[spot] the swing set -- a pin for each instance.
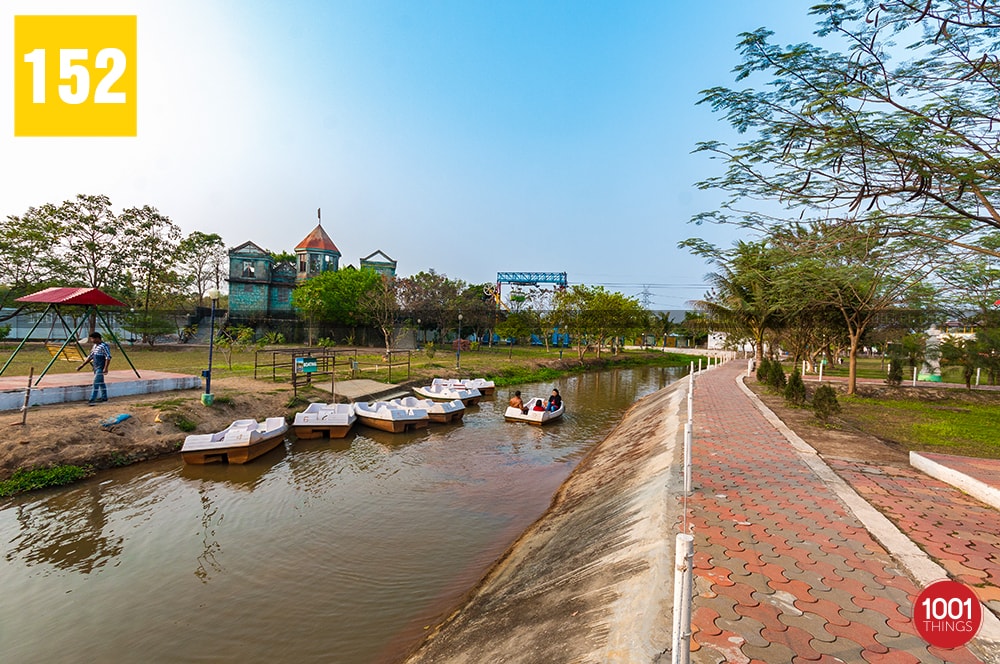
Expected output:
(91, 299)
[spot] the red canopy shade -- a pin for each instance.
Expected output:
(81, 296)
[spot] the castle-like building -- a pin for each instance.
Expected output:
(261, 287)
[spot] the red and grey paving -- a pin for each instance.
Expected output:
(786, 572)
(75, 386)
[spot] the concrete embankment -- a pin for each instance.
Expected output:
(590, 581)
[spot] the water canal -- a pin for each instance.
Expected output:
(321, 551)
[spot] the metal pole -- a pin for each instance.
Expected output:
(683, 556)
(207, 399)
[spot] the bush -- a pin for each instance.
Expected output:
(795, 390)
(776, 377)
(895, 377)
(430, 349)
(39, 478)
(763, 369)
(825, 402)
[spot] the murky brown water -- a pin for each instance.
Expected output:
(322, 551)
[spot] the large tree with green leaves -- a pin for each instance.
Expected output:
(892, 112)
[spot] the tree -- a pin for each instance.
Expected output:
(382, 306)
(93, 241)
(335, 297)
(744, 301)
(855, 270)
(596, 315)
(203, 257)
(431, 297)
(27, 252)
(861, 132)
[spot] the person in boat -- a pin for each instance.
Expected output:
(539, 406)
(555, 401)
(517, 402)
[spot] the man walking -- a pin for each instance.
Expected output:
(100, 358)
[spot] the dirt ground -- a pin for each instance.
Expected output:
(72, 433)
(836, 441)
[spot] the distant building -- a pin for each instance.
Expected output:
(260, 287)
(380, 262)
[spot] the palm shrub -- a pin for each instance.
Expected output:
(895, 377)
(825, 402)
(763, 369)
(776, 377)
(795, 390)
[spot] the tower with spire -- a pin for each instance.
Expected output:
(316, 254)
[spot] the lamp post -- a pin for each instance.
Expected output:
(458, 353)
(207, 398)
(418, 333)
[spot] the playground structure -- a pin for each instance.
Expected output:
(91, 299)
(557, 279)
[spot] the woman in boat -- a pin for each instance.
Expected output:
(555, 401)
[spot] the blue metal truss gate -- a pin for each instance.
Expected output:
(532, 278)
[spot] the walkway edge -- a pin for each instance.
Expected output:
(919, 564)
(970, 485)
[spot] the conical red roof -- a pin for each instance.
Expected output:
(318, 239)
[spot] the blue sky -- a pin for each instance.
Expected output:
(470, 137)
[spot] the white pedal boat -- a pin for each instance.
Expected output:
(331, 419)
(385, 416)
(438, 411)
(240, 442)
(486, 387)
(444, 393)
(514, 414)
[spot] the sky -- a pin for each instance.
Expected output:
(468, 136)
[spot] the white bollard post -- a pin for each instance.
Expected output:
(820, 379)
(978, 370)
(803, 367)
(699, 365)
(749, 367)
(683, 558)
(914, 376)
(688, 434)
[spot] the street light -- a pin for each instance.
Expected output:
(207, 398)
(458, 353)
(418, 333)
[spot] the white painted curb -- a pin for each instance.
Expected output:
(970, 485)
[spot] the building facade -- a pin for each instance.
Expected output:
(261, 288)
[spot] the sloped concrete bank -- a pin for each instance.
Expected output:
(590, 581)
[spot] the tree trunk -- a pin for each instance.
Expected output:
(852, 375)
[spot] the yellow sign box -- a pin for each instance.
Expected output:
(75, 76)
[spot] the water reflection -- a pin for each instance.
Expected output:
(67, 530)
(344, 547)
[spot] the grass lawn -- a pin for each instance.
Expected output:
(507, 366)
(962, 424)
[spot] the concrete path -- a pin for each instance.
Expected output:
(76, 386)
(792, 566)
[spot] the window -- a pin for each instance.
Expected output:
(249, 269)
(314, 264)
(302, 263)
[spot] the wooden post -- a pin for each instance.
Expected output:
(27, 396)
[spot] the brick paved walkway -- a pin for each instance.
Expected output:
(784, 572)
